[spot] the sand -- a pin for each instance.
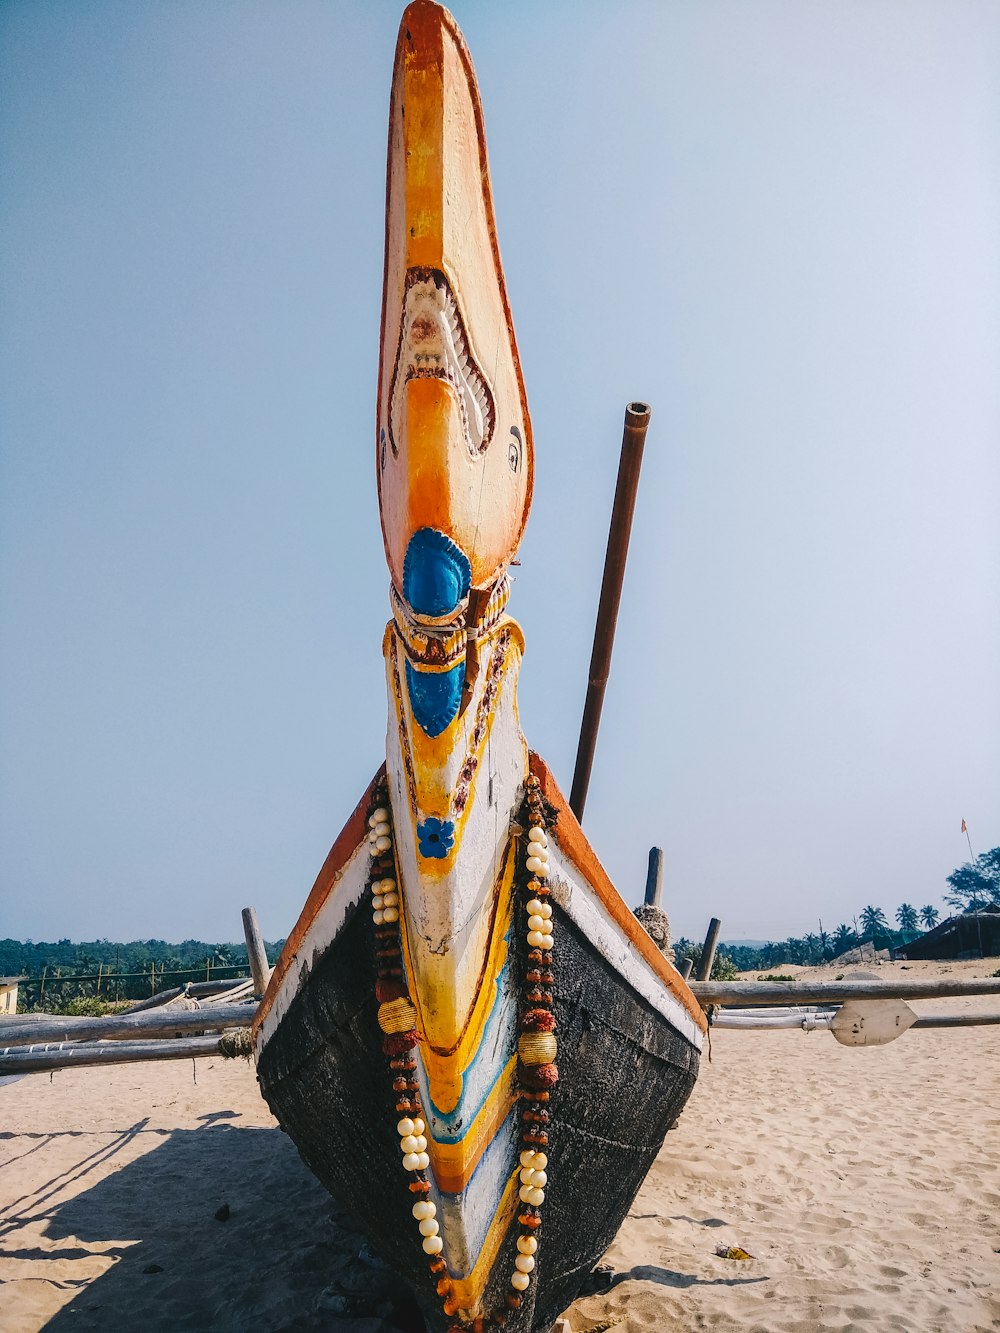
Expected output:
(865, 1183)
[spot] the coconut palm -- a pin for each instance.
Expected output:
(906, 916)
(930, 916)
(873, 922)
(844, 938)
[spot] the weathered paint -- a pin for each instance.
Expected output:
(455, 468)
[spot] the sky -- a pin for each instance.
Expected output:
(775, 222)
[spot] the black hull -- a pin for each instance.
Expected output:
(625, 1075)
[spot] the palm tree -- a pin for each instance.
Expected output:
(930, 916)
(843, 939)
(906, 916)
(873, 922)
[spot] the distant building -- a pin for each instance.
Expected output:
(8, 994)
(968, 935)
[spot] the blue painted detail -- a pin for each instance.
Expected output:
(488, 1063)
(434, 698)
(436, 573)
(437, 837)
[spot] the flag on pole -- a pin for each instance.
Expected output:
(964, 829)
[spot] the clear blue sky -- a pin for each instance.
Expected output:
(776, 222)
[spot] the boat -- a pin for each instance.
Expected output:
(472, 1041)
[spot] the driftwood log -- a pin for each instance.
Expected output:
(116, 1027)
(32, 1059)
(769, 993)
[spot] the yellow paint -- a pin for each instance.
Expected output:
(455, 1163)
(468, 1291)
(452, 1040)
(422, 100)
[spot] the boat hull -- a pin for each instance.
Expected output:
(626, 1071)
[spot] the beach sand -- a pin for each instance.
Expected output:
(865, 1183)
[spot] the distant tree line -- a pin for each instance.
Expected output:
(974, 886)
(118, 970)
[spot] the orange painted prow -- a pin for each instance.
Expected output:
(454, 451)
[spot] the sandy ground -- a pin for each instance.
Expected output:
(866, 1183)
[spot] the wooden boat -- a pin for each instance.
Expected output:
(471, 1040)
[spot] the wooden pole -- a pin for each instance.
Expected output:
(256, 952)
(28, 1061)
(708, 949)
(686, 968)
(956, 1021)
(152, 1023)
(654, 877)
(100, 969)
(633, 440)
(41, 989)
(745, 993)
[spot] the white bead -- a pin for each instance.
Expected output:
(386, 885)
(534, 908)
(540, 1162)
(527, 1244)
(537, 867)
(528, 1157)
(537, 834)
(379, 816)
(535, 938)
(546, 926)
(383, 844)
(424, 1161)
(405, 1126)
(429, 1227)
(546, 910)
(377, 901)
(421, 1144)
(390, 899)
(536, 849)
(524, 1263)
(409, 1143)
(418, 1126)
(390, 914)
(411, 1162)
(523, 1193)
(520, 1281)
(425, 1209)
(526, 1173)
(382, 829)
(536, 923)
(536, 1197)
(539, 1179)
(378, 917)
(546, 942)
(433, 1245)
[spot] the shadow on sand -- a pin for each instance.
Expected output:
(283, 1257)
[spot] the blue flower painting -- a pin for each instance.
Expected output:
(437, 837)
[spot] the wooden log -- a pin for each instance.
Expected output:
(956, 1021)
(117, 1027)
(154, 1001)
(747, 993)
(686, 966)
(654, 877)
(259, 967)
(28, 1060)
(708, 949)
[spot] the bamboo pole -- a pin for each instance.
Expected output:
(708, 949)
(29, 1060)
(743, 993)
(633, 440)
(257, 954)
(115, 1027)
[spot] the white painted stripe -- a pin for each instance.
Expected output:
(346, 891)
(582, 904)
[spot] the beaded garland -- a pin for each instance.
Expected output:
(537, 1048)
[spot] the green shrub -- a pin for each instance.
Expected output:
(776, 976)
